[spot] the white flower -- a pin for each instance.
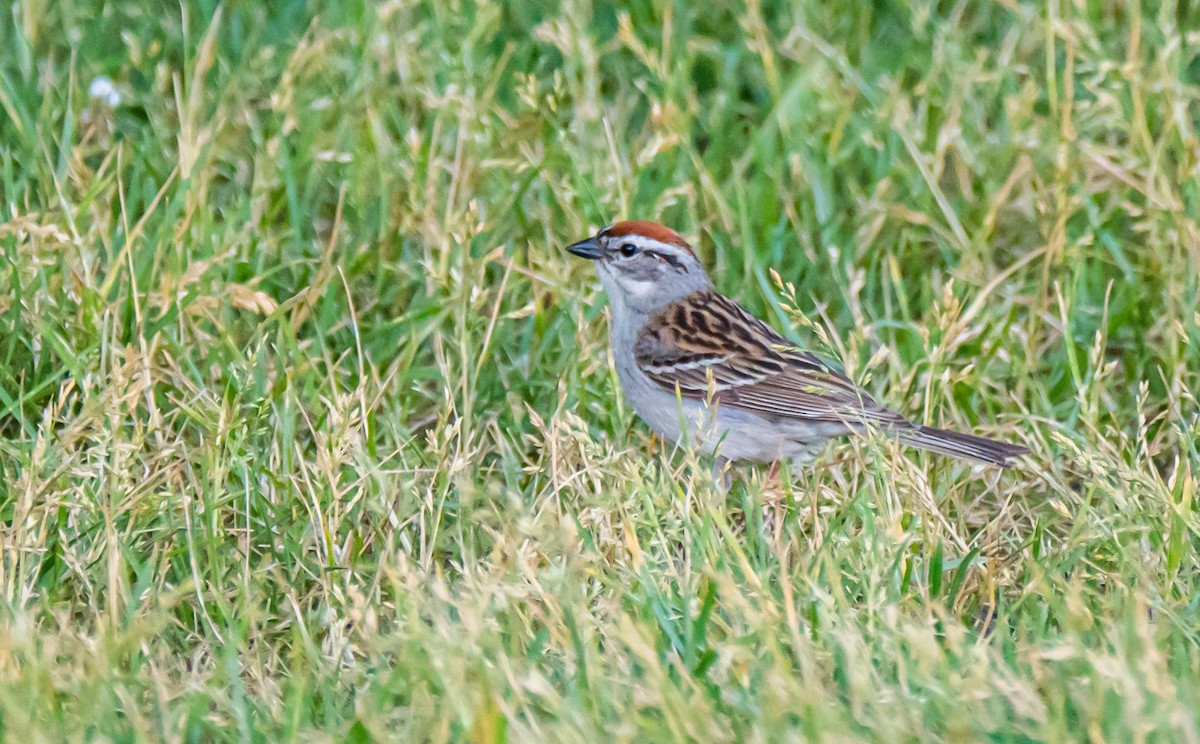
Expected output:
(103, 89)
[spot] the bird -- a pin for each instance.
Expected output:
(697, 367)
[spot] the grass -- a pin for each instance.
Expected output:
(310, 431)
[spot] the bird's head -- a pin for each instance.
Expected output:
(643, 265)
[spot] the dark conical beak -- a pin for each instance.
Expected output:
(589, 249)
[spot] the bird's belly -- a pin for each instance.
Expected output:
(733, 433)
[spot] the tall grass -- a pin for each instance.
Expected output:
(310, 430)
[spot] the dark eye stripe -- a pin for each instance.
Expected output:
(665, 257)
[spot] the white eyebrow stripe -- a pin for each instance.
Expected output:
(650, 244)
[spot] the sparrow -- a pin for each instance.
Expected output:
(697, 367)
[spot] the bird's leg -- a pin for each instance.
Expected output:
(722, 474)
(773, 493)
(773, 474)
(773, 484)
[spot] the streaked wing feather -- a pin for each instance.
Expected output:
(691, 345)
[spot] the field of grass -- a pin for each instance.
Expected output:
(309, 431)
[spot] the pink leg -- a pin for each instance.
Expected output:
(773, 474)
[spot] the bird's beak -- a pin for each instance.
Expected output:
(589, 249)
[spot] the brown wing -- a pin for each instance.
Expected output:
(754, 368)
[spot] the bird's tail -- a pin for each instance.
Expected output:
(966, 446)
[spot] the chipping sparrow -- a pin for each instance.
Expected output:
(693, 364)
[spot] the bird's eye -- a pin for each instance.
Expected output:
(628, 250)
